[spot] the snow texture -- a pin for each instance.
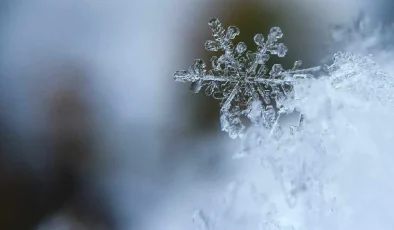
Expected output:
(332, 172)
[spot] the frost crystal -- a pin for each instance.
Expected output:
(242, 80)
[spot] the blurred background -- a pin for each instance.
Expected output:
(94, 132)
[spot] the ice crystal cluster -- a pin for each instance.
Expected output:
(241, 78)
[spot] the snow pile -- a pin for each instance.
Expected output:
(333, 172)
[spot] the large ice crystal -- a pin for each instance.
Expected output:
(242, 80)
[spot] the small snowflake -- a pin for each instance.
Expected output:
(241, 79)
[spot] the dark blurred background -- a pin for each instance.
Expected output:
(94, 132)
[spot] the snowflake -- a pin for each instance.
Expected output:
(241, 79)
